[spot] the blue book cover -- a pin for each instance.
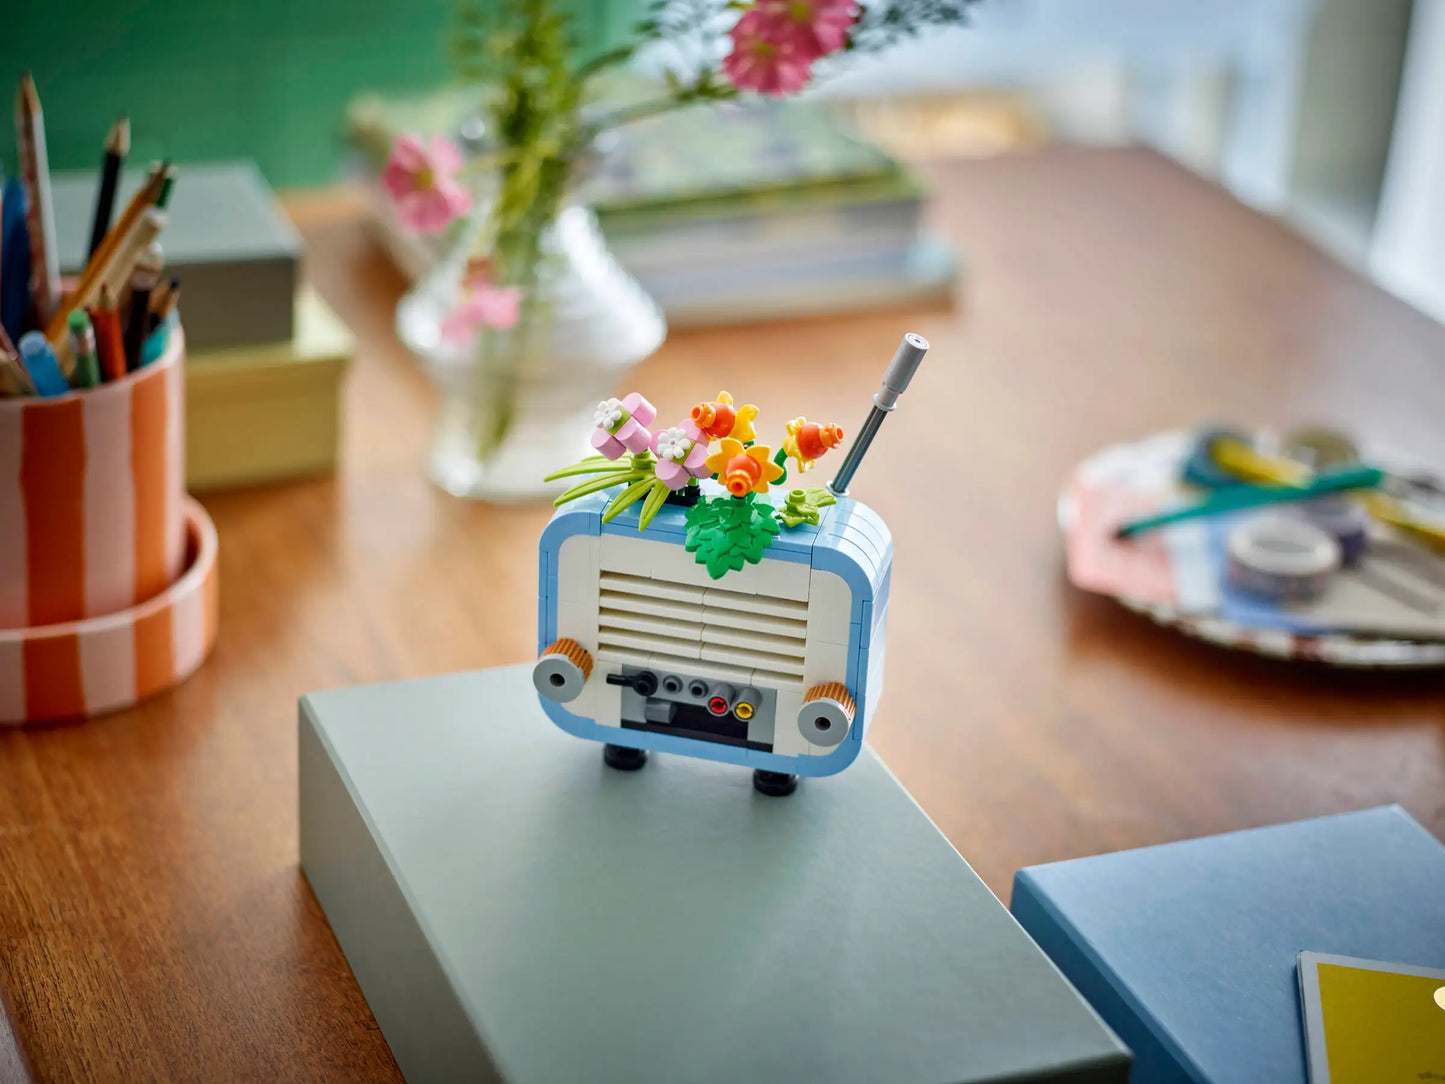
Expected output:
(1188, 950)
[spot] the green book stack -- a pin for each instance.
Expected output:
(724, 213)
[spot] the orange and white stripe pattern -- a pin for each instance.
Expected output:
(110, 662)
(91, 496)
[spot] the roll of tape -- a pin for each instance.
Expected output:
(1344, 521)
(1283, 558)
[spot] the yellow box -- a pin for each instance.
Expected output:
(268, 412)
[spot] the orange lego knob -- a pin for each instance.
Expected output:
(741, 474)
(815, 439)
(716, 420)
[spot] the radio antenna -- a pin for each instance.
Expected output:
(895, 382)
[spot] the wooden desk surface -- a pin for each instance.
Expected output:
(153, 921)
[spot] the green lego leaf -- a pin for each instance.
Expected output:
(593, 485)
(656, 497)
(725, 533)
(805, 506)
(627, 498)
(593, 464)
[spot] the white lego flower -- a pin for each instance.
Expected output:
(609, 413)
(673, 444)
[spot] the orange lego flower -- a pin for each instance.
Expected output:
(807, 441)
(720, 418)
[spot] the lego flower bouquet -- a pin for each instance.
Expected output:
(529, 320)
(717, 440)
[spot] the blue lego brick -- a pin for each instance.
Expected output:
(811, 766)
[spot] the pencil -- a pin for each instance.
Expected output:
(162, 312)
(135, 328)
(117, 146)
(40, 208)
(82, 345)
(132, 248)
(110, 343)
(14, 380)
(99, 265)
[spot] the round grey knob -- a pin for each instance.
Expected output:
(558, 678)
(824, 721)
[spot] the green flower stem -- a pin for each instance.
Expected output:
(779, 459)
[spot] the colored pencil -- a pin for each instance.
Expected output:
(82, 344)
(135, 328)
(117, 146)
(109, 341)
(100, 264)
(40, 207)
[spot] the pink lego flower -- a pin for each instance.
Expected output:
(681, 454)
(763, 59)
(622, 425)
(422, 183)
(484, 304)
(811, 28)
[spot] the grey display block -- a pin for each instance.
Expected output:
(226, 238)
(516, 910)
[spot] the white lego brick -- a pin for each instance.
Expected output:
(723, 598)
(599, 701)
(577, 569)
(620, 553)
(578, 621)
(670, 561)
(752, 658)
(632, 621)
(641, 589)
(825, 661)
(772, 577)
(646, 643)
(788, 741)
(713, 670)
(793, 647)
(830, 606)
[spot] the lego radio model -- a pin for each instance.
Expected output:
(654, 635)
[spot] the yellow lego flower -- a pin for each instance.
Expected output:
(743, 470)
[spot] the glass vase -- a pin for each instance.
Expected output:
(519, 403)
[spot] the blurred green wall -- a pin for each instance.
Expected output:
(208, 79)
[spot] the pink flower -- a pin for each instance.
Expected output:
(484, 304)
(811, 28)
(622, 426)
(422, 183)
(762, 59)
(681, 454)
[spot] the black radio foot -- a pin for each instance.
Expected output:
(623, 757)
(774, 784)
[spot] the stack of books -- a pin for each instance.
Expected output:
(265, 356)
(724, 213)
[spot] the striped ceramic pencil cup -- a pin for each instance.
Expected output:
(107, 568)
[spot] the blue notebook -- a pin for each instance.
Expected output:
(1188, 950)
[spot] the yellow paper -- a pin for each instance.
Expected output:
(1382, 1023)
